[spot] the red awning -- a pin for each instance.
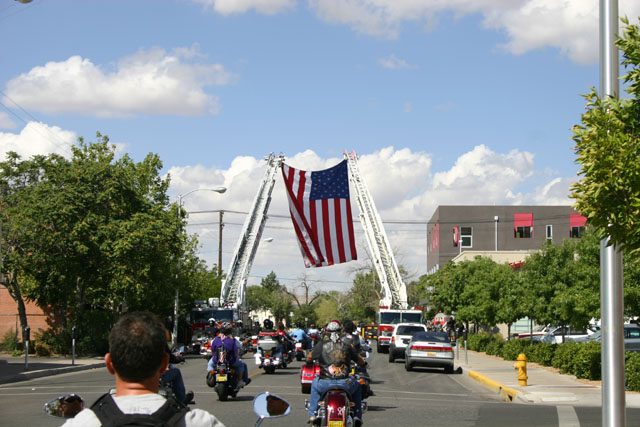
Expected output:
(522, 220)
(577, 220)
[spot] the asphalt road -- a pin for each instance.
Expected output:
(425, 397)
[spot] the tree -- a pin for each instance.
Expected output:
(92, 232)
(608, 148)
(364, 296)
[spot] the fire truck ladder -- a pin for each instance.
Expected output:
(233, 287)
(393, 288)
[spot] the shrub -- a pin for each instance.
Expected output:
(564, 356)
(541, 353)
(494, 347)
(9, 340)
(16, 353)
(587, 363)
(478, 342)
(632, 371)
(42, 349)
(513, 348)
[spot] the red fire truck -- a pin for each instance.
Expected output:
(387, 318)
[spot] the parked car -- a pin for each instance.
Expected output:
(631, 337)
(553, 334)
(431, 349)
(400, 337)
(570, 334)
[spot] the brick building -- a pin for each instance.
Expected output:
(453, 230)
(10, 321)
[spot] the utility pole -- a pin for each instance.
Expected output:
(611, 267)
(220, 225)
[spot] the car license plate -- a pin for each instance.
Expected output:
(298, 346)
(431, 353)
(335, 424)
(221, 377)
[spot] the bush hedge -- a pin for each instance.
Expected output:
(583, 360)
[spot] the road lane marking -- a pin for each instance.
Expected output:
(567, 416)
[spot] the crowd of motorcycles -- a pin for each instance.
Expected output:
(271, 353)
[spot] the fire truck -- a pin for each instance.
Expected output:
(393, 308)
(199, 317)
(387, 318)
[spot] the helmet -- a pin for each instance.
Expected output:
(268, 324)
(334, 326)
(212, 321)
(349, 326)
(226, 328)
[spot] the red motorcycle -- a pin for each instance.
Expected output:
(308, 372)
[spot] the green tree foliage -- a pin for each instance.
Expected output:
(270, 295)
(93, 232)
(562, 278)
(608, 148)
(364, 297)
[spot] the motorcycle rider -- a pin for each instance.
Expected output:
(351, 337)
(313, 330)
(334, 358)
(212, 328)
(225, 341)
(173, 378)
(300, 335)
(285, 341)
(137, 357)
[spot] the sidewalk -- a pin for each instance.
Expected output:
(12, 369)
(543, 386)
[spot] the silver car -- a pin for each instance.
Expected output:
(431, 349)
(631, 337)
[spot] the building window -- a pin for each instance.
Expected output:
(576, 231)
(523, 225)
(549, 232)
(576, 223)
(466, 237)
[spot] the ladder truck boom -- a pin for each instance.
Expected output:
(393, 288)
(232, 293)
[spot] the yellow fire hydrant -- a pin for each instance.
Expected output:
(521, 366)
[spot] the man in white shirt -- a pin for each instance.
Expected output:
(137, 357)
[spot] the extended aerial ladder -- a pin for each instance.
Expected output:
(232, 294)
(393, 288)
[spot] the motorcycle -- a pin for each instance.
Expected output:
(336, 408)
(300, 354)
(308, 372)
(265, 405)
(269, 360)
(223, 378)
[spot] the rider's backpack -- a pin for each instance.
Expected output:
(107, 411)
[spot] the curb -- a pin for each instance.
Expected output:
(508, 393)
(48, 372)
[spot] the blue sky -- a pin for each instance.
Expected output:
(446, 102)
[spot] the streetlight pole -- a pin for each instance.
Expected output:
(174, 337)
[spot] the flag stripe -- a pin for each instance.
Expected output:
(320, 210)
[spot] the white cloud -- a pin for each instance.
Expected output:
(37, 138)
(569, 25)
(149, 82)
(394, 63)
(6, 122)
(267, 7)
(401, 182)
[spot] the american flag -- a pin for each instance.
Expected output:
(321, 213)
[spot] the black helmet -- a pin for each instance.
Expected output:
(268, 324)
(212, 322)
(226, 328)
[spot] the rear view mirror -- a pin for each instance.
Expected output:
(66, 406)
(267, 405)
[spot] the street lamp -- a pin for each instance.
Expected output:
(174, 338)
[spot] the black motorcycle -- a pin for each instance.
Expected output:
(223, 377)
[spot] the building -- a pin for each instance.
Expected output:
(452, 230)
